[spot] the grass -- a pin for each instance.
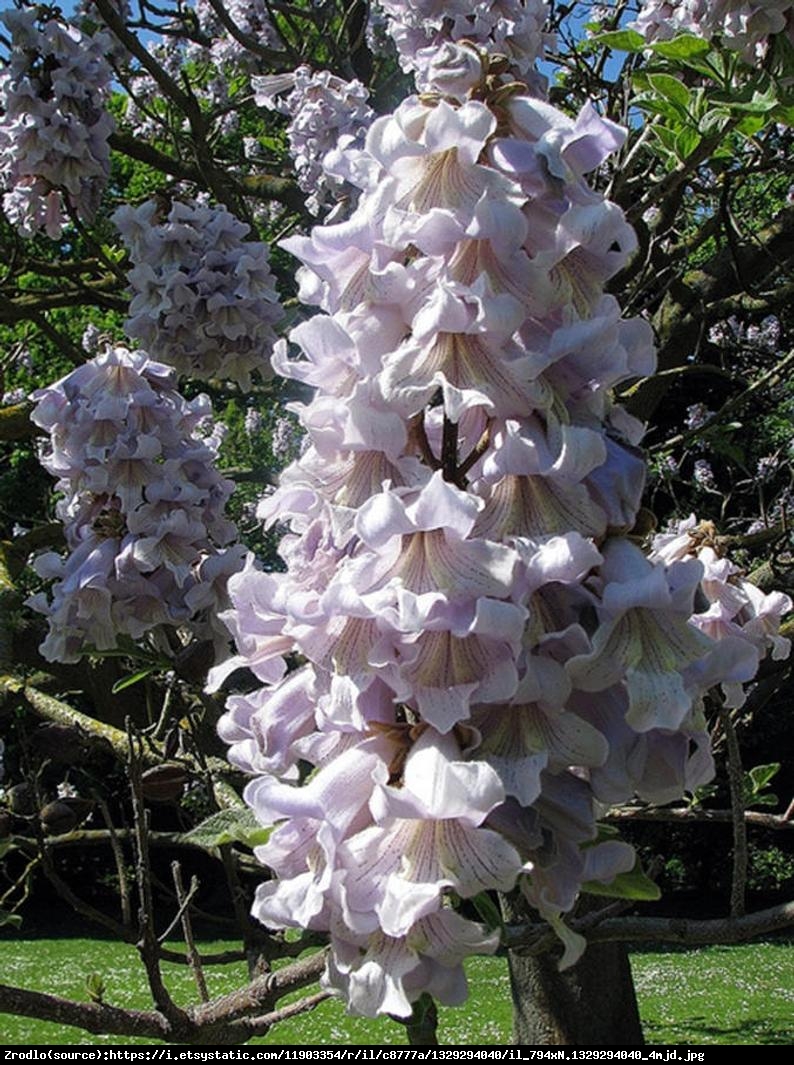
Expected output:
(718, 995)
(715, 995)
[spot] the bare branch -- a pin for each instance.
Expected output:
(697, 816)
(118, 858)
(193, 956)
(56, 710)
(736, 784)
(262, 186)
(96, 1017)
(148, 947)
(262, 993)
(683, 311)
(284, 60)
(164, 81)
(221, 1021)
(720, 930)
(15, 423)
(254, 1026)
(99, 292)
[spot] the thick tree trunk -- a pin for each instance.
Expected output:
(592, 1004)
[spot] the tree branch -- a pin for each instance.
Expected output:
(193, 956)
(720, 930)
(15, 423)
(683, 311)
(217, 1022)
(96, 1017)
(164, 81)
(262, 993)
(100, 292)
(254, 1026)
(771, 377)
(698, 817)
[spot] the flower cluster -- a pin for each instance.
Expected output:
(743, 25)
(54, 128)
(142, 505)
(482, 654)
(250, 18)
(513, 28)
(203, 297)
(329, 120)
(744, 619)
(764, 338)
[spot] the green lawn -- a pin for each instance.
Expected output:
(709, 996)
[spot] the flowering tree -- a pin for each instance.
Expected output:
(470, 649)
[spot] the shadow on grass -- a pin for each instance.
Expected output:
(696, 1032)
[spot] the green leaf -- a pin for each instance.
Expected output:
(133, 678)
(666, 136)
(686, 142)
(632, 885)
(761, 775)
(671, 89)
(605, 832)
(657, 105)
(621, 40)
(753, 103)
(682, 47)
(488, 910)
(95, 986)
(9, 919)
(228, 826)
(713, 122)
(784, 115)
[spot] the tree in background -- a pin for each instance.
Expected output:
(470, 654)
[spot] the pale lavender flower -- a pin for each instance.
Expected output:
(253, 421)
(704, 475)
(285, 439)
(251, 17)
(697, 415)
(767, 466)
(512, 27)
(483, 655)
(329, 119)
(743, 620)
(745, 26)
(721, 334)
(204, 299)
(54, 129)
(142, 506)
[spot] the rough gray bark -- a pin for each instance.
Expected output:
(592, 1004)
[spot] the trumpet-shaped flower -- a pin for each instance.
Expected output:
(483, 654)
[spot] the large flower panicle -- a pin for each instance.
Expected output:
(513, 28)
(54, 126)
(745, 26)
(482, 653)
(203, 297)
(142, 505)
(329, 118)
